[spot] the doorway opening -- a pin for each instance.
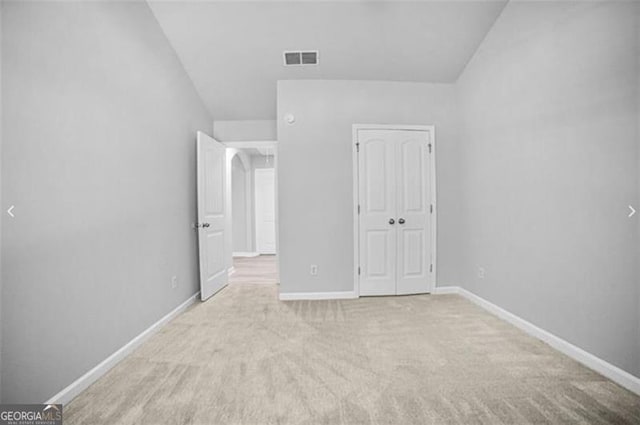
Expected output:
(252, 212)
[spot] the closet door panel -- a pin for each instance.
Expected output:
(413, 209)
(378, 241)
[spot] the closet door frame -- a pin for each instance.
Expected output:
(430, 129)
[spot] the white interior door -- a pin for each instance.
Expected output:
(265, 210)
(211, 157)
(413, 212)
(394, 237)
(377, 213)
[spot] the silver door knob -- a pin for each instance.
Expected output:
(401, 221)
(392, 221)
(205, 225)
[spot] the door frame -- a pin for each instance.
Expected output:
(270, 144)
(356, 195)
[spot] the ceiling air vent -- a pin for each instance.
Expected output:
(309, 57)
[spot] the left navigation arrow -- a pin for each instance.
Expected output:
(9, 211)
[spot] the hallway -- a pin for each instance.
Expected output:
(262, 269)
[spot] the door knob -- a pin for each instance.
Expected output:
(392, 221)
(205, 225)
(401, 221)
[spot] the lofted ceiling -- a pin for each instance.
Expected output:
(232, 50)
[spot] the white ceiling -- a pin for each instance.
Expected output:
(233, 50)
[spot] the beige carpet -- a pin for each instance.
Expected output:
(244, 357)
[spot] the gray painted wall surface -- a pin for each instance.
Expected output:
(315, 169)
(98, 156)
(638, 141)
(549, 135)
(239, 206)
(244, 130)
(1, 215)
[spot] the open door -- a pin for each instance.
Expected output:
(211, 215)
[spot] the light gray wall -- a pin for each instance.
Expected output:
(315, 169)
(549, 136)
(98, 156)
(244, 130)
(239, 205)
(2, 209)
(232, 154)
(637, 206)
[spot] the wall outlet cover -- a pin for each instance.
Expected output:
(481, 272)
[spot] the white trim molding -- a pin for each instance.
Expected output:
(292, 296)
(617, 375)
(76, 387)
(441, 290)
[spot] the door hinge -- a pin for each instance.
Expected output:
(431, 208)
(358, 208)
(357, 146)
(429, 147)
(358, 270)
(431, 268)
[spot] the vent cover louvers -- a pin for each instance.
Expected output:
(308, 57)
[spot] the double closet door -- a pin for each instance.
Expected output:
(395, 207)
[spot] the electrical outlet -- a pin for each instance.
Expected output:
(480, 272)
(313, 270)
(174, 282)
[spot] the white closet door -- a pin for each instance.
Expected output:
(376, 165)
(394, 193)
(413, 212)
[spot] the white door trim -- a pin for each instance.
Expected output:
(356, 219)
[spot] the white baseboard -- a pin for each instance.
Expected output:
(617, 375)
(441, 290)
(246, 254)
(291, 296)
(82, 383)
(231, 270)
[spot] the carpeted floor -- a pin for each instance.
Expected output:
(243, 357)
